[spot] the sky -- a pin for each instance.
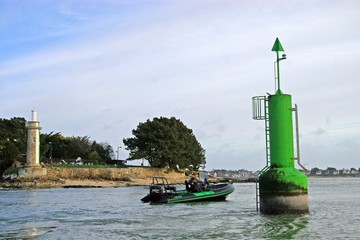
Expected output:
(100, 67)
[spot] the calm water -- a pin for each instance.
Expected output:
(117, 213)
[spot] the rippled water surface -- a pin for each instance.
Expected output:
(117, 213)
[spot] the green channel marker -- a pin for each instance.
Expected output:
(282, 188)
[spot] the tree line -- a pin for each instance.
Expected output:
(163, 142)
(53, 146)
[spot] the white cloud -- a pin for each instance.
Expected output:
(200, 62)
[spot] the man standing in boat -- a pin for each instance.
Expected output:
(193, 184)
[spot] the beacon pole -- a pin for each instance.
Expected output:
(282, 187)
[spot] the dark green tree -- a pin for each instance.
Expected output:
(12, 141)
(104, 150)
(165, 142)
(79, 147)
(14, 131)
(54, 145)
(94, 156)
(8, 155)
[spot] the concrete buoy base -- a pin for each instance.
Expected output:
(284, 204)
(283, 191)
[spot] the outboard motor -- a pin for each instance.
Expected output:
(156, 192)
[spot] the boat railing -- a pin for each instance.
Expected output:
(162, 181)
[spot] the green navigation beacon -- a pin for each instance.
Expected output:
(282, 188)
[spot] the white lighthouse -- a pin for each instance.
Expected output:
(32, 167)
(33, 141)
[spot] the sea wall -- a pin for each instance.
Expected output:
(95, 177)
(114, 174)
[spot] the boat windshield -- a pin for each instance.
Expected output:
(203, 175)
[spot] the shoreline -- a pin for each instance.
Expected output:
(92, 178)
(45, 182)
(111, 177)
(101, 177)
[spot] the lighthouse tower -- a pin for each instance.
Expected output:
(33, 141)
(33, 167)
(282, 188)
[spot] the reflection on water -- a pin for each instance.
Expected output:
(117, 213)
(28, 232)
(283, 227)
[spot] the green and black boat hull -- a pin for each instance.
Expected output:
(216, 192)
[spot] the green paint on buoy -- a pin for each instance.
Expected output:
(281, 131)
(283, 188)
(277, 47)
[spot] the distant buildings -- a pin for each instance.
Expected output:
(245, 174)
(240, 174)
(330, 171)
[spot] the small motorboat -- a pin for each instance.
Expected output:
(162, 192)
